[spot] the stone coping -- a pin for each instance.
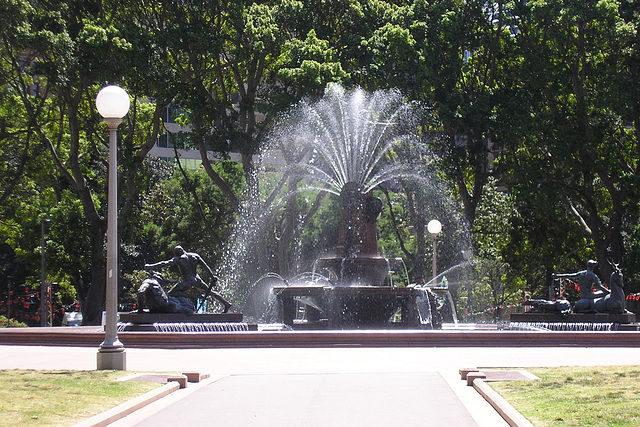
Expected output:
(92, 336)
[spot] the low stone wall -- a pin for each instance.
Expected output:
(91, 337)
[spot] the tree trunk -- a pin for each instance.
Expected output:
(94, 302)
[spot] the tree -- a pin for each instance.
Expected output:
(500, 275)
(578, 118)
(57, 62)
(169, 217)
(466, 48)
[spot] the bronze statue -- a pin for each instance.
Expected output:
(151, 295)
(588, 281)
(561, 306)
(187, 263)
(615, 302)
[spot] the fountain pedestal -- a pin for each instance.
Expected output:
(356, 271)
(358, 297)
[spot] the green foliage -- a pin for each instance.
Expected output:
(68, 243)
(10, 323)
(575, 137)
(320, 232)
(536, 98)
(393, 53)
(169, 215)
(309, 65)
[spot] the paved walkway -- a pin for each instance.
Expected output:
(374, 399)
(320, 386)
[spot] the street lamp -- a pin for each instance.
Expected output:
(44, 289)
(434, 227)
(113, 104)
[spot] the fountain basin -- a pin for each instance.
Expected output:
(356, 307)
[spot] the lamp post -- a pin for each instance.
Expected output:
(435, 227)
(113, 104)
(44, 289)
(467, 255)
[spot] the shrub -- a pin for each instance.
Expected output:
(11, 323)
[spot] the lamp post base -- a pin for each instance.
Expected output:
(112, 358)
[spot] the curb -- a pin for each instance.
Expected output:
(504, 408)
(127, 408)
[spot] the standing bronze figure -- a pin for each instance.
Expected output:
(588, 282)
(187, 263)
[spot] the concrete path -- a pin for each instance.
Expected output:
(374, 399)
(320, 386)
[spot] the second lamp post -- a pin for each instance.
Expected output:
(434, 227)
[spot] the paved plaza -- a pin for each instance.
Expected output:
(330, 386)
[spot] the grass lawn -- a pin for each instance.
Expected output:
(577, 396)
(62, 398)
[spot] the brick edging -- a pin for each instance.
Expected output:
(504, 408)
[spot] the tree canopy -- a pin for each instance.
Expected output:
(534, 101)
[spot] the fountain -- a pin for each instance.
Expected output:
(356, 296)
(345, 142)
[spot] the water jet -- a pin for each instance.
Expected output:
(348, 140)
